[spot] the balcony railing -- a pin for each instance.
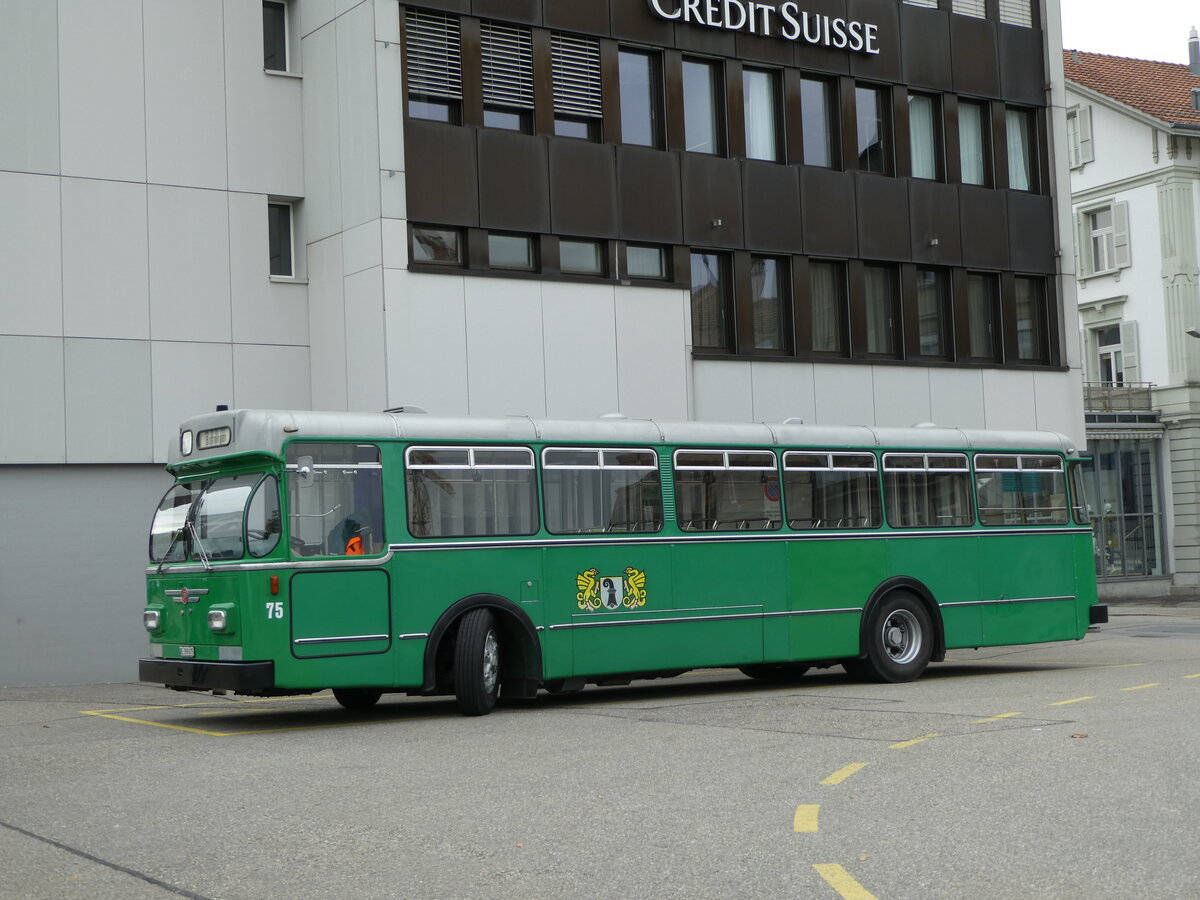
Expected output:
(1102, 396)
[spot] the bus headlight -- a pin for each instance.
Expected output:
(217, 619)
(152, 619)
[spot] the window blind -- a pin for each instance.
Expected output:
(434, 54)
(507, 65)
(576, 65)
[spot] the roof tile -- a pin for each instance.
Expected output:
(1159, 89)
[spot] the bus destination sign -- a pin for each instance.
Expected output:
(787, 21)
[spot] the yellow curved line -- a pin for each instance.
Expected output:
(805, 820)
(843, 882)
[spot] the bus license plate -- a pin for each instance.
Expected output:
(187, 652)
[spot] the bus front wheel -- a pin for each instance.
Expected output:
(898, 641)
(477, 663)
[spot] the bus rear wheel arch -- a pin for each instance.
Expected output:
(899, 639)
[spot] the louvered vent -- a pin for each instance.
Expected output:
(928, 4)
(576, 63)
(434, 54)
(976, 8)
(507, 65)
(1017, 12)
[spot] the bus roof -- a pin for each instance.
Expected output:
(257, 431)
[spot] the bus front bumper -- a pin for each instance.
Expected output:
(240, 677)
(1098, 614)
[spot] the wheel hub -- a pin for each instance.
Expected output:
(491, 662)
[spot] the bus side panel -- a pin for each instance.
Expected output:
(836, 574)
(1031, 589)
(949, 568)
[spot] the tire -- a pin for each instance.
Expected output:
(356, 698)
(777, 672)
(477, 663)
(898, 640)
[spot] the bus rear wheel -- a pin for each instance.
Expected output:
(898, 642)
(356, 698)
(477, 663)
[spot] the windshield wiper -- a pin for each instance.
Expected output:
(197, 544)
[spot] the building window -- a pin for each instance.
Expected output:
(434, 55)
(280, 240)
(710, 301)
(973, 145)
(1110, 355)
(874, 129)
(507, 69)
(1031, 319)
(581, 257)
(511, 251)
(1122, 480)
(437, 246)
(983, 315)
(641, 98)
(827, 298)
(1079, 136)
(880, 296)
(1017, 12)
(925, 135)
(816, 107)
(760, 90)
(928, 4)
(933, 295)
(1019, 125)
(769, 302)
(575, 64)
(646, 262)
(1103, 239)
(702, 116)
(275, 35)
(974, 8)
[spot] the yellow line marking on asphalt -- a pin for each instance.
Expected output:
(842, 774)
(1116, 666)
(1197, 675)
(1069, 702)
(805, 820)
(904, 744)
(842, 882)
(155, 724)
(104, 715)
(995, 718)
(1142, 687)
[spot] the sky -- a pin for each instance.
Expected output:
(1157, 30)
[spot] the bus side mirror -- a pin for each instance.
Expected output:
(304, 471)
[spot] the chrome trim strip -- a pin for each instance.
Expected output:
(341, 640)
(601, 622)
(1004, 601)
(332, 562)
(413, 637)
(812, 612)
(199, 592)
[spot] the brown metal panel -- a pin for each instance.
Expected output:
(792, 119)
(883, 224)
(699, 39)
(769, 48)
(973, 56)
(934, 223)
(649, 207)
(514, 183)
(672, 76)
(712, 201)
(1022, 65)
(901, 141)
(818, 58)
(543, 83)
(458, 6)
(528, 12)
(847, 122)
(925, 40)
(590, 17)
(632, 20)
(887, 64)
(827, 207)
(801, 306)
(442, 178)
(472, 62)
(734, 106)
(1032, 241)
(1008, 320)
(984, 214)
(856, 288)
(583, 188)
(771, 195)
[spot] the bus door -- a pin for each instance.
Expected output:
(341, 607)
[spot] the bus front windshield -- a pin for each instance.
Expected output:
(218, 519)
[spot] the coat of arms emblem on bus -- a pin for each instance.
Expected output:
(598, 591)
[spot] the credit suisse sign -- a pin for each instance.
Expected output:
(787, 21)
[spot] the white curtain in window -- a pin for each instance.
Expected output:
(759, 91)
(825, 287)
(881, 305)
(970, 142)
(923, 135)
(1017, 122)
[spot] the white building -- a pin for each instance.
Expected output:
(1133, 127)
(356, 204)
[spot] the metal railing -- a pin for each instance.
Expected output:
(1103, 396)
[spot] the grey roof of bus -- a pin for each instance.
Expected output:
(264, 431)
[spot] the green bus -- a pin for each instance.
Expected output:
(372, 553)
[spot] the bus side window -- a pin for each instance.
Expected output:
(727, 490)
(831, 490)
(335, 504)
(927, 490)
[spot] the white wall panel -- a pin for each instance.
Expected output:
(723, 391)
(189, 379)
(108, 400)
(426, 341)
(185, 94)
(652, 359)
(1008, 400)
(263, 311)
(366, 344)
(783, 392)
(1058, 397)
(362, 247)
(105, 268)
(29, 86)
(271, 377)
(504, 344)
(327, 324)
(956, 398)
(389, 86)
(314, 14)
(393, 194)
(30, 255)
(102, 100)
(395, 243)
(901, 396)
(358, 115)
(387, 20)
(189, 264)
(845, 395)
(580, 337)
(322, 145)
(32, 401)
